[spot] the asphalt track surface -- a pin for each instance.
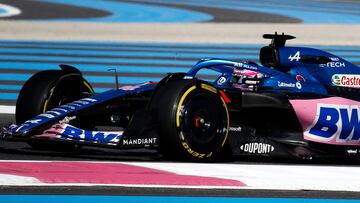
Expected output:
(169, 192)
(21, 151)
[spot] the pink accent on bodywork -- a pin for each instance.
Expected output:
(53, 132)
(245, 72)
(57, 130)
(306, 112)
(129, 87)
(133, 87)
(67, 172)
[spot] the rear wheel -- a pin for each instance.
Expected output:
(193, 120)
(46, 90)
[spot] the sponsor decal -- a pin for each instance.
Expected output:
(67, 106)
(335, 80)
(73, 105)
(300, 78)
(335, 63)
(47, 115)
(221, 80)
(76, 105)
(335, 122)
(139, 141)
(235, 129)
(352, 151)
(244, 65)
(289, 84)
(296, 56)
(67, 119)
(89, 100)
(9, 130)
(54, 112)
(35, 121)
(346, 80)
(73, 133)
(29, 123)
(60, 109)
(194, 153)
(12, 126)
(257, 148)
(284, 84)
(81, 102)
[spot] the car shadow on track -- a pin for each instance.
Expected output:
(21, 151)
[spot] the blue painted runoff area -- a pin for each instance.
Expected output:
(93, 79)
(139, 53)
(18, 87)
(309, 11)
(156, 199)
(158, 45)
(2, 11)
(135, 12)
(135, 62)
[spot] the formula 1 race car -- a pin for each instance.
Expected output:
(300, 102)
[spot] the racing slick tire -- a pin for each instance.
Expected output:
(46, 90)
(193, 120)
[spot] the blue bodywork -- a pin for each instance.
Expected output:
(73, 107)
(315, 76)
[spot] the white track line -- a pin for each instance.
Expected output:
(9, 11)
(259, 176)
(17, 180)
(278, 177)
(4, 109)
(233, 33)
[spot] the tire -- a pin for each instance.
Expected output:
(169, 78)
(193, 120)
(46, 90)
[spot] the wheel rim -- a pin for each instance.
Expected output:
(203, 122)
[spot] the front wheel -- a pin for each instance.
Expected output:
(193, 119)
(46, 90)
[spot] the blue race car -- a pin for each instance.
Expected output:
(300, 102)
